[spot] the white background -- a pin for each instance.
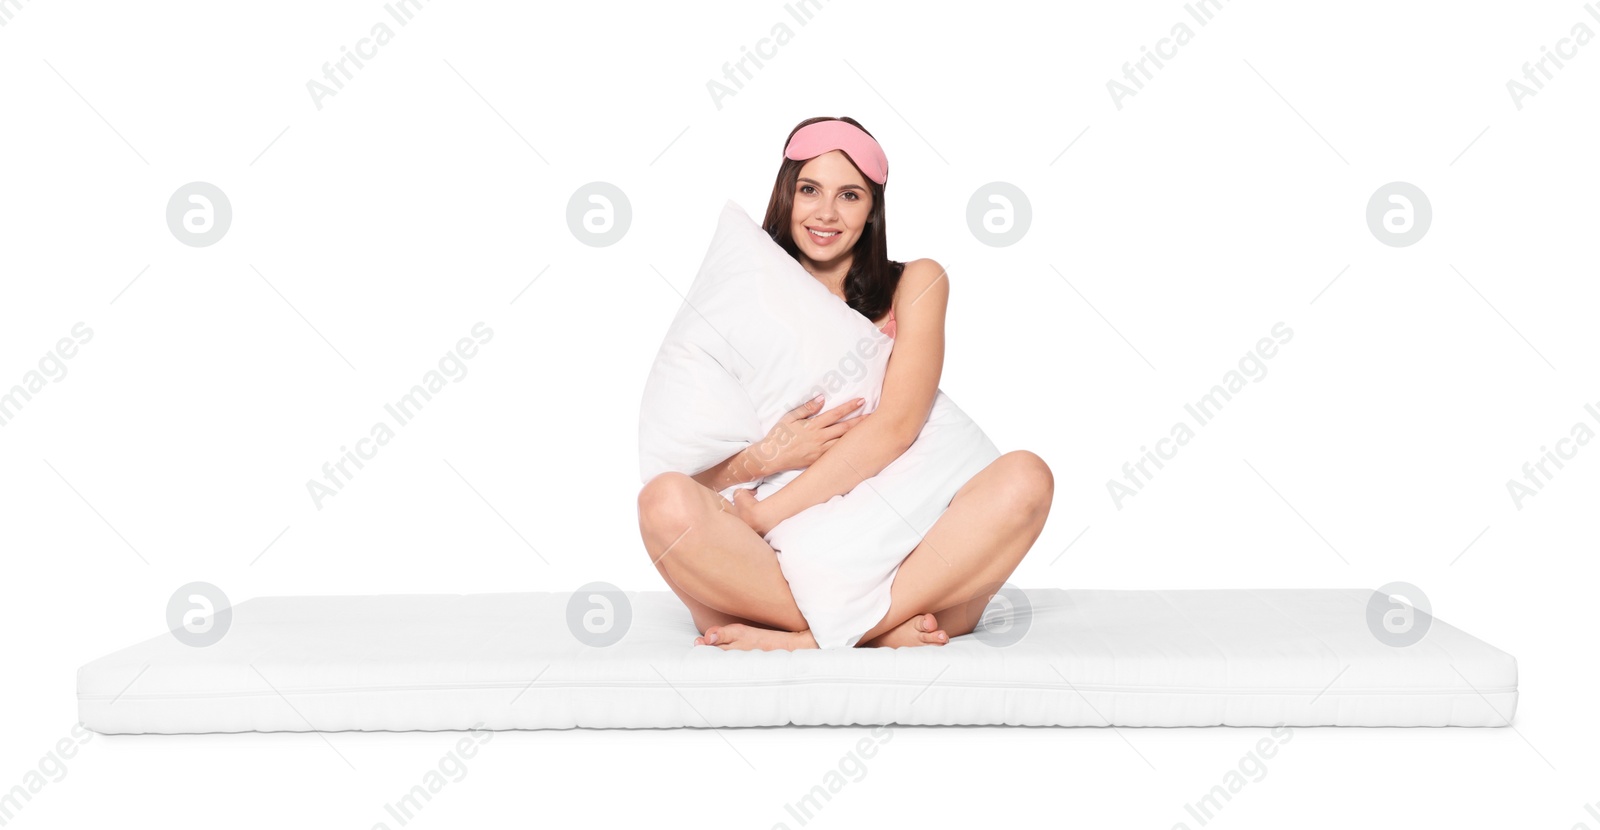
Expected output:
(431, 191)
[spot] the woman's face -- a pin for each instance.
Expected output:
(831, 197)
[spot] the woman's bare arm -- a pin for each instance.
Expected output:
(910, 383)
(744, 465)
(797, 440)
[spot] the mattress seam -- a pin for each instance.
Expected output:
(649, 684)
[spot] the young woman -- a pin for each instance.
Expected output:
(827, 211)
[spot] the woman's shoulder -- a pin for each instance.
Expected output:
(920, 276)
(922, 271)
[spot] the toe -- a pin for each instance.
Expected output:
(935, 638)
(728, 637)
(723, 636)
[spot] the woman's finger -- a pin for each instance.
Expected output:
(834, 414)
(805, 410)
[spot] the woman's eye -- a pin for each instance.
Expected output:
(805, 188)
(852, 195)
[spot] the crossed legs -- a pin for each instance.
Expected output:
(969, 553)
(730, 580)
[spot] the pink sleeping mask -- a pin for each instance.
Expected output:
(820, 137)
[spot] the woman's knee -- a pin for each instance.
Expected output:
(669, 503)
(1028, 486)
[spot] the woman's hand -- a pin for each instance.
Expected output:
(750, 511)
(800, 437)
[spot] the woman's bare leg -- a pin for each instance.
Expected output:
(725, 573)
(972, 549)
(704, 615)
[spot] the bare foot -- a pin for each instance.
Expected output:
(741, 637)
(921, 630)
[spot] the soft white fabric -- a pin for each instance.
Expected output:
(1083, 658)
(756, 337)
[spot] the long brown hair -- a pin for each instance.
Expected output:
(870, 284)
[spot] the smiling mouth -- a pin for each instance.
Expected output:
(822, 234)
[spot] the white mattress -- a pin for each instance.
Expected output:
(508, 661)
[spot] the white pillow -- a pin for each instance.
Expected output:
(756, 337)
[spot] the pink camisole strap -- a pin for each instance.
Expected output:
(888, 327)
